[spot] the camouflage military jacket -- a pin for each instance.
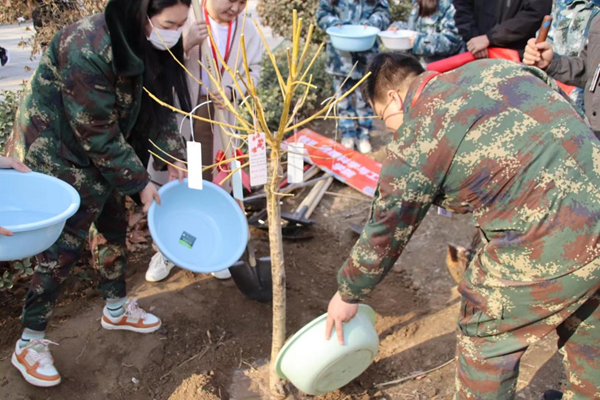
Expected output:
(570, 25)
(351, 12)
(438, 36)
(80, 103)
(569, 31)
(492, 139)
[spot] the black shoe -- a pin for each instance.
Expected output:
(4, 56)
(552, 395)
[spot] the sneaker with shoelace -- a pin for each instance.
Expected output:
(159, 268)
(134, 319)
(35, 362)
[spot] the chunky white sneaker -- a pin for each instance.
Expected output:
(36, 364)
(135, 319)
(225, 274)
(364, 146)
(348, 142)
(159, 268)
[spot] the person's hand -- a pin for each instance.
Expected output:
(5, 232)
(218, 99)
(478, 43)
(7, 162)
(393, 29)
(339, 312)
(413, 37)
(538, 54)
(481, 54)
(176, 173)
(148, 195)
(194, 35)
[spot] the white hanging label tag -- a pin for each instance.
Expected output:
(444, 212)
(257, 152)
(238, 191)
(194, 159)
(295, 162)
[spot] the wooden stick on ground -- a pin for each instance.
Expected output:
(199, 355)
(413, 376)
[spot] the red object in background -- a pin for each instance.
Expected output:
(348, 166)
(450, 63)
(223, 170)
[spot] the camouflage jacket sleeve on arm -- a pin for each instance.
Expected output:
(380, 17)
(89, 101)
(445, 42)
(402, 199)
(170, 140)
(326, 17)
(399, 25)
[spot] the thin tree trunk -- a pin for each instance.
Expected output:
(278, 272)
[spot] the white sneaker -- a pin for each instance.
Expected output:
(225, 274)
(36, 364)
(348, 142)
(159, 268)
(364, 146)
(135, 319)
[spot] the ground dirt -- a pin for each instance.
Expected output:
(215, 344)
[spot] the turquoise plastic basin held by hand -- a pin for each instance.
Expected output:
(354, 38)
(200, 230)
(35, 207)
(317, 366)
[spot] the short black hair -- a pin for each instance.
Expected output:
(388, 71)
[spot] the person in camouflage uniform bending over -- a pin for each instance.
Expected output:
(85, 120)
(493, 139)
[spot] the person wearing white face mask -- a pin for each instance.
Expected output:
(226, 18)
(86, 120)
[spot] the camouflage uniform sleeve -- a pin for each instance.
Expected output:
(447, 42)
(399, 25)
(401, 202)
(89, 101)
(326, 17)
(380, 18)
(170, 140)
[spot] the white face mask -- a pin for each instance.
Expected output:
(169, 37)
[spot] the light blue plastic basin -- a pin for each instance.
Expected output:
(354, 38)
(199, 230)
(318, 366)
(35, 207)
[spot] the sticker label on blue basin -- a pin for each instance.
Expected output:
(187, 240)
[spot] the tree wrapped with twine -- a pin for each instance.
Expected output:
(296, 85)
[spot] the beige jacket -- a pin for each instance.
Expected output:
(254, 51)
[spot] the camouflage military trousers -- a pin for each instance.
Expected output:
(352, 106)
(101, 206)
(490, 348)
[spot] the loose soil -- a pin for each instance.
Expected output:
(215, 344)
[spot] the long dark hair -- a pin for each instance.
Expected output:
(427, 7)
(162, 75)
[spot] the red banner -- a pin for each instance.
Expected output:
(348, 166)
